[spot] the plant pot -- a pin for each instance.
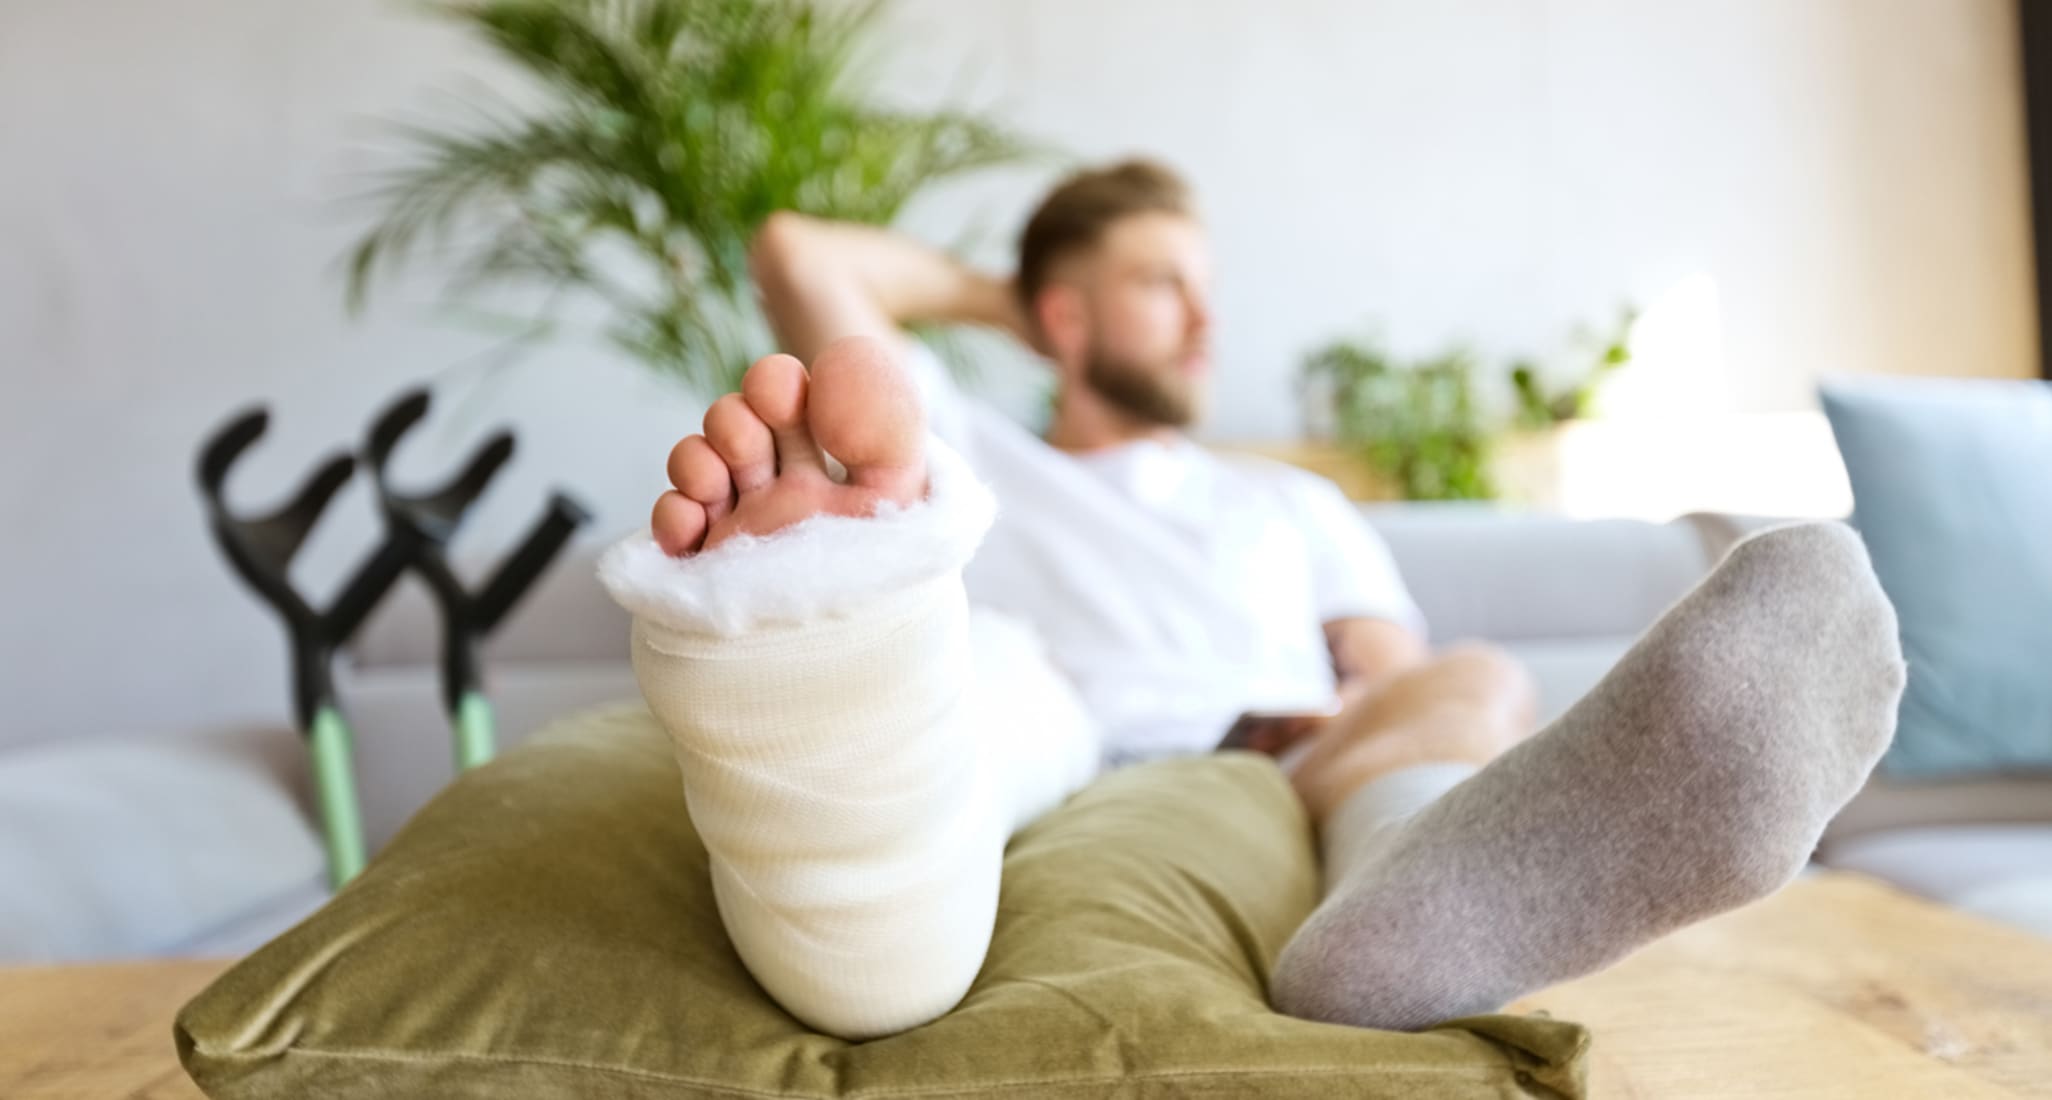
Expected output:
(1527, 468)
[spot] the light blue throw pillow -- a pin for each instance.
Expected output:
(1952, 489)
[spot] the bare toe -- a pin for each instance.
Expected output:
(761, 465)
(775, 387)
(699, 472)
(743, 441)
(864, 410)
(678, 524)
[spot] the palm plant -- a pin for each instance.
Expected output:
(667, 131)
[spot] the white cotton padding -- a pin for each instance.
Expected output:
(827, 565)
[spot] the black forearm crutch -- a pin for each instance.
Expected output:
(261, 549)
(422, 525)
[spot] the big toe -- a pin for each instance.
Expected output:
(865, 411)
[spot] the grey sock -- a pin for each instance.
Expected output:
(1695, 778)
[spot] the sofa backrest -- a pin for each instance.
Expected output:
(1484, 572)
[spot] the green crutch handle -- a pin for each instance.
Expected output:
(475, 742)
(335, 784)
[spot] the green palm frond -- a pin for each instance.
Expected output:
(669, 131)
(571, 47)
(484, 176)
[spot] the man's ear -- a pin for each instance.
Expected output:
(1061, 324)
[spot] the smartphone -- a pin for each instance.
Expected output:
(1273, 731)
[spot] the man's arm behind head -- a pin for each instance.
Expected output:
(822, 280)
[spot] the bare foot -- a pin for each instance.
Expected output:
(759, 467)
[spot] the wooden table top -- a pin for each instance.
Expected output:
(1836, 987)
(1839, 986)
(101, 1032)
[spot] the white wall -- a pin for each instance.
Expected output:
(1849, 173)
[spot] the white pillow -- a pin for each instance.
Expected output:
(126, 847)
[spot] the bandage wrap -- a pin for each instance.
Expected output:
(854, 750)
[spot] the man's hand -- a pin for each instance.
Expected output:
(1272, 733)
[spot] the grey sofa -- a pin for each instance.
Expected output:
(1566, 596)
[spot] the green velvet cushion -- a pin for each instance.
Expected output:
(546, 928)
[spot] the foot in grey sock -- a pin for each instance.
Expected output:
(1695, 778)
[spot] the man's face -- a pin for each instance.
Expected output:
(1143, 342)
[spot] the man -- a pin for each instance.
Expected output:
(857, 745)
(1113, 287)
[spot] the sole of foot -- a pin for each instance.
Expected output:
(761, 463)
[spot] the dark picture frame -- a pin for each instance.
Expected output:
(2034, 32)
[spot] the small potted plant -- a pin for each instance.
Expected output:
(1417, 428)
(1427, 430)
(1548, 403)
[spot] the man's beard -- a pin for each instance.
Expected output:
(1158, 395)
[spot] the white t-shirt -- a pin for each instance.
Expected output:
(1174, 587)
